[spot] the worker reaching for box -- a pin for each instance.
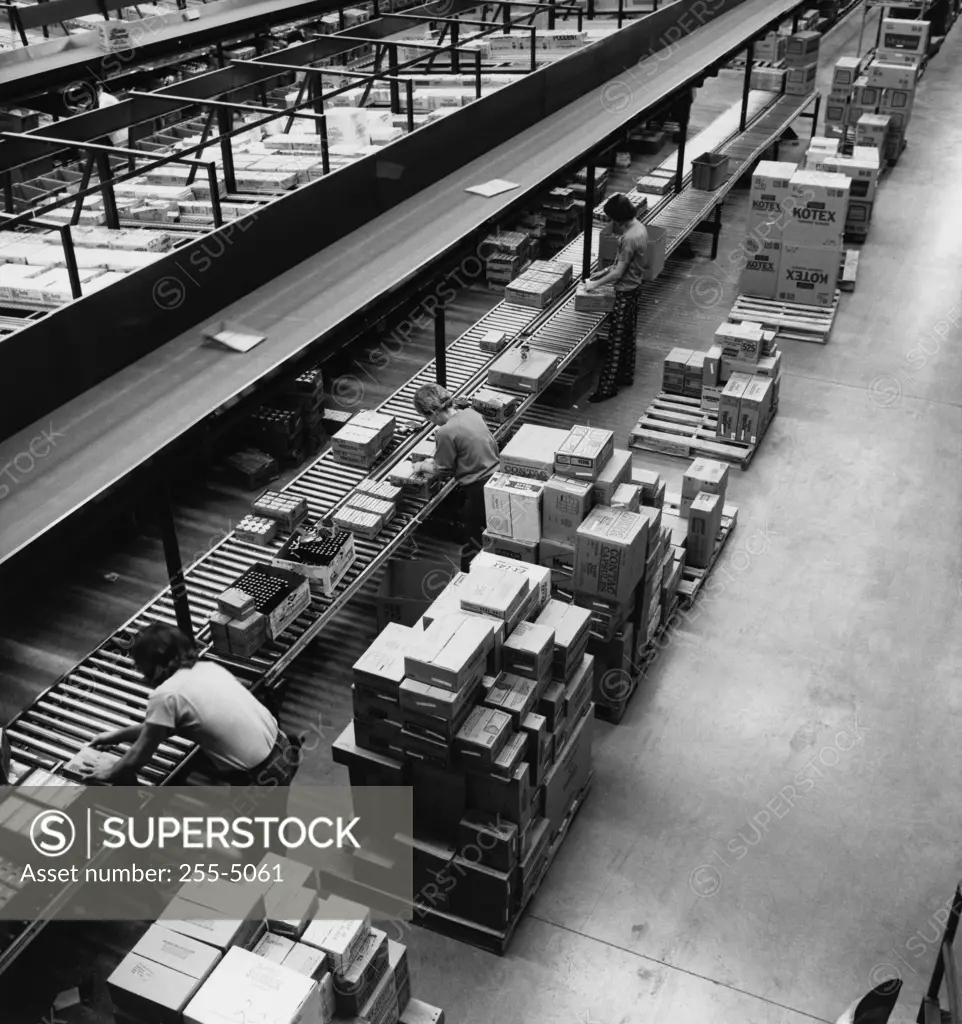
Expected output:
(204, 703)
(626, 274)
(466, 450)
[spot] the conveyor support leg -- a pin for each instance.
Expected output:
(749, 61)
(175, 569)
(589, 220)
(682, 142)
(440, 348)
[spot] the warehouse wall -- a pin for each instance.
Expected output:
(75, 348)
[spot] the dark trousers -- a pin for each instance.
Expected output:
(471, 519)
(277, 769)
(619, 350)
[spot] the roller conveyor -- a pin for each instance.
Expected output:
(103, 691)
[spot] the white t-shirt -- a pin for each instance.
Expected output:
(208, 706)
(116, 138)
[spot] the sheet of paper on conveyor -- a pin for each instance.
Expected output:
(233, 336)
(492, 188)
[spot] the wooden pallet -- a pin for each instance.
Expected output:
(676, 425)
(691, 583)
(791, 321)
(489, 939)
(846, 281)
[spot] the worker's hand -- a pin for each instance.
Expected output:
(101, 741)
(590, 285)
(101, 775)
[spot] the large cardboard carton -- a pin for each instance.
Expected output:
(809, 275)
(754, 410)
(518, 371)
(584, 453)
(704, 523)
(616, 471)
(873, 130)
(513, 507)
(539, 579)
(800, 81)
(706, 475)
(728, 406)
(712, 364)
(863, 174)
(144, 990)
(452, 652)
(759, 275)
(565, 504)
(495, 593)
(846, 71)
(610, 554)
(905, 36)
(802, 49)
(178, 952)
(819, 202)
(882, 75)
(508, 547)
(247, 987)
(530, 453)
(770, 191)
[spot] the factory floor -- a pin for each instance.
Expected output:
(771, 830)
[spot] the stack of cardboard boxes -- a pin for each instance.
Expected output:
(261, 951)
(505, 254)
(801, 60)
(797, 223)
(876, 97)
(539, 285)
(702, 503)
(861, 168)
(363, 439)
(485, 705)
(562, 216)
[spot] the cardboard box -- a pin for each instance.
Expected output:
(610, 554)
(311, 962)
(859, 214)
(451, 653)
(354, 983)
(770, 190)
(817, 218)
(809, 275)
(508, 547)
(866, 94)
(339, 930)
(740, 341)
(712, 363)
(873, 130)
(513, 507)
(905, 36)
(496, 593)
(382, 1004)
(626, 496)
(862, 172)
(759, 276)
(705, 475)
(508, 798)
(381, 666)
(539, 579)
(704, 523)
(754, 410)
(846, 71)
(571, 626)
(188, 919)
(556, 556)
(519, 372)
(565, 504)
(529, 651)
(898, 120)
(530, 453)
(584, 452)
(145, 990)
(729, 404)
(598, 300)
(616, 471)
(881, 75)
(289, 910)
(180, 953)
(494, 405)
(569, 774)
(802, 49)
(246, 987)
(274, 948)
(514, 695)
(900, 57)
(800, 81)
(484, 735)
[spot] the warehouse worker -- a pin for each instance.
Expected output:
(465, 450)
(205, 704)
(104, 100)
(626, 274)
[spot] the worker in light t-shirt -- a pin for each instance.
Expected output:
(202, 702)
(464, 449)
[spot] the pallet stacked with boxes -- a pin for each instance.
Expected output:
(796, 228)
(562, 217)
(505, 255)
(266, 950)
(484, 706)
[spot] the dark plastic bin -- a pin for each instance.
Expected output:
(709, 171)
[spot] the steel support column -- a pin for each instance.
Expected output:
(746, 88)
(589, 220)
(683, 141)
(175, 569)
(440, 349)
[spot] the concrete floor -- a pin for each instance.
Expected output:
(773, 829)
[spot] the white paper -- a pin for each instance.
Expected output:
(492, 188)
